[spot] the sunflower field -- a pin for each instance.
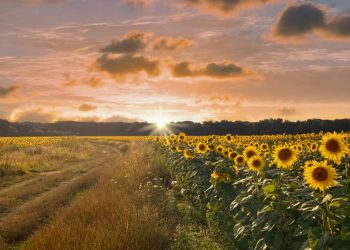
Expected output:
(267, 192)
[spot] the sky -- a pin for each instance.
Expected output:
(180, 60)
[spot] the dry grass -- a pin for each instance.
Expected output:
(127, 209)
(17, 194)
(16, 162)
(20, 223)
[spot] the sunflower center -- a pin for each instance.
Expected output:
(332, 145)
(233, 155)
(240, 159)
(256, 163)
(320, 174)
(285, 154)
(201, 147)
(250, 153)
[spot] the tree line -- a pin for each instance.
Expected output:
(267, 126)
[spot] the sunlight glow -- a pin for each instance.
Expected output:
(161, 124)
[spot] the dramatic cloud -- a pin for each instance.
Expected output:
(299, 20)
(286, 111)
(225, 6)
(6, 91)
(34, 115)
(212, 70)
(168, 43)
(87, 108)
(128, 64)
(132, 42)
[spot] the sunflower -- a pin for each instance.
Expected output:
(239, 160)
(313, 147)
(202, 148)
(181, 136)
(229, 138)
(264, 147)
(284, 157)
(249, 152)
(232, 155)
(333, 147)
(320, 176)
(256, 163)
(219, 149)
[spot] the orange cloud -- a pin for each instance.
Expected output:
(6, 91)
(87, 108)
(33, 115)
(132, 42)
(168, 43)
(93, 82)
(122, 66)
(225, 7)
(225, 70)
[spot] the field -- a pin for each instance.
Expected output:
(175, 192)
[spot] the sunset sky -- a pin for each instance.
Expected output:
(145, 60)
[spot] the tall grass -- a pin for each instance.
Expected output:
(127, 209)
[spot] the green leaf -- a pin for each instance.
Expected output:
(269, 189)
(335, 204)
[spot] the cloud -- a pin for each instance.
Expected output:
(339, 26)
(132, 42)
(87, 108)
(168, 43)
(296, 21)
(222, 98)
(33, 115)
(225, 6)
(124, 65)
(286, 111)
(212, 70)
(6, 91)
(92, 82)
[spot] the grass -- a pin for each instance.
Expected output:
(18, 162)
(122, 198)
(127, 209)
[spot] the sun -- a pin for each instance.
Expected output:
(161, 124)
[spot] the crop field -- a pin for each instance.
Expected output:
(175, 192)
